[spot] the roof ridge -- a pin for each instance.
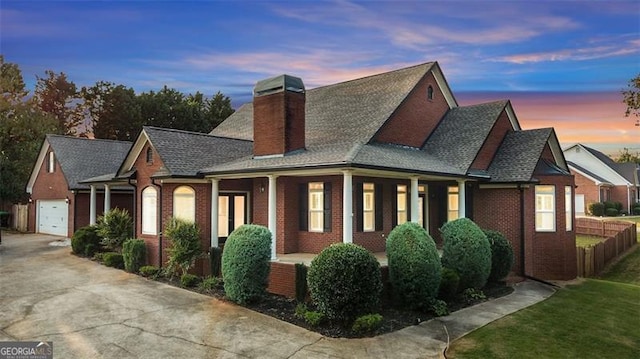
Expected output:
(86, 138)
(166, 129)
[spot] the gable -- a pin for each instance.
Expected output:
(39, 165)
(585, 158)
(417, 116)
(492, 142)
(131, 159)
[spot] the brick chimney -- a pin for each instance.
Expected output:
(278, 116)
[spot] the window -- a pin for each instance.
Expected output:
(368, 207)
(430, 92)
(316, 207)
(184, 203)
(401, 204)
(51, 162)
(149, 210)
(421, 200)
(545, 209)
(568, 208)
(149, 155)
(452, 203)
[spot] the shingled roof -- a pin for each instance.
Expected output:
(82, 158)
(518, 155)
(185, 153)
(462, 132)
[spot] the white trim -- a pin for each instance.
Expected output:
(462, 199)
(610, 171)
(36, 168)
(512, 117)
(92, 206)
(277, 155)
(500, 186)
(107, 199)
(214, 211)
(347, 206)
(184, 180)
(272, 213)
(414, 198)
(444, 87)
(134, 153)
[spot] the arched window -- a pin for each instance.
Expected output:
(150, 211)
(430, 92)
(184, 203)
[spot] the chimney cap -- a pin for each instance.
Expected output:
(278, 84)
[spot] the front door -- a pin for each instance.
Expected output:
(232, 213)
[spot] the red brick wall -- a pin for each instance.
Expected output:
(417, 116)
(314, 242)
(588, 188)
(621, 194)
(278, 123)
(547, 154)
(82, 205)
(282, 279)
(492, 143)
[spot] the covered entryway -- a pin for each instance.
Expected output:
(232, 213)
(580, 205)
(53, 217)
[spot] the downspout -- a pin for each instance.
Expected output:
(153, 182)
(135, 206)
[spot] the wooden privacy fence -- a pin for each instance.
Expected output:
(20, 213)
(619, 235)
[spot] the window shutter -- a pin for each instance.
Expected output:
(359, 207)
(468, 207)
(378, 194)
(327, 207)
(303, 206)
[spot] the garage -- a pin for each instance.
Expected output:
(53, 217)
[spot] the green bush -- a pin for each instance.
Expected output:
(149, 271)
(185, 245)
(209, 284)
(467, 251)
(245, 263)
(301, 282)
(448, 284)
(113, 259)
(414, 265)
(85, 241)
(367, 323)
(115, 227)
(636, 210)
(301, 310)
(439, 308)
(596, 209)
(313, 318)
(215, 261)
(188, 280)
(611, 212)
(473, 295)
(134, 252)
(345, 281)
(501, 255)
(611, 204)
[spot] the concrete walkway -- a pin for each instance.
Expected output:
(91, 311)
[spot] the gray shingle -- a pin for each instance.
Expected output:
(462, 132)
(82, 158)
(518, 155)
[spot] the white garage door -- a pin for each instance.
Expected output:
(53, 217)
(579, 205)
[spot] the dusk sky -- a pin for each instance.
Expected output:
(562, 63)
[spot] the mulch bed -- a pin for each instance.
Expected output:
(283, 308)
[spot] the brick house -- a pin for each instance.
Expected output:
(349, 161)
(59, 203)
(600, 179)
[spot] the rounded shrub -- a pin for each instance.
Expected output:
(345, 281)
(113, 259)
(245, 263)
(467, 251)
(501, 255)
(85, 241)
(189, 280)
(611, 212)
(134, 252)
(414, 265)
(597, 209)
(448, 284)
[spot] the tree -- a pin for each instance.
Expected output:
(218, 109)
(627, 156)
(113, 110)
(631, 97)
(23, 127)
(56, 95)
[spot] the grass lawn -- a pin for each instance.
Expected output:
(583, 240)
(635, 219)
(594, 319)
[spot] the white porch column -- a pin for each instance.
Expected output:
(462, 199)
(214, 212)
(273, 224)
(414, 199)
(107, 199)
(92, 206)
(347, 207)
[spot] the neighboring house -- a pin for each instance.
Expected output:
(348, 162)
(600, 179)
(59, 203)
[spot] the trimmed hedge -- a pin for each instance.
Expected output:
(245, 263)
(113, 259)
(611, 212)
(345, 281)
(596, 209)
(467, 251)
(501, 255)
(134, 252)
(414, 265)
(85, 241)
(448, 284)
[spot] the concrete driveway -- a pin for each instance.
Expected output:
(90, 311)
